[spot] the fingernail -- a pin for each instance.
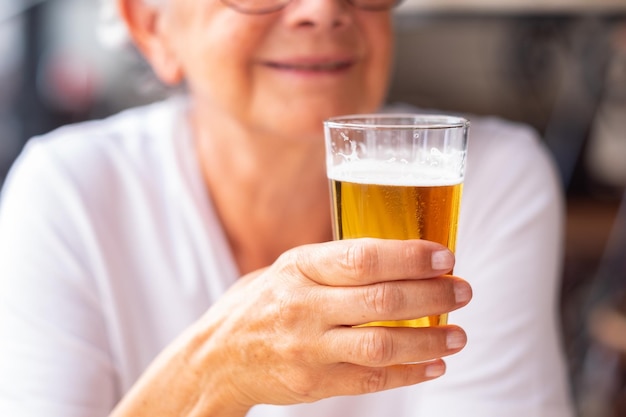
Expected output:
(442, 260)
(435, 369)
(462, 292)
(455, 339)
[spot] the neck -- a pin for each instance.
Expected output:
(270, 193)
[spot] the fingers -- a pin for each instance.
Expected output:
(349, 379)
(381, 379)
(322, 290)
(386, 346)
(355, 262)
(396, 300)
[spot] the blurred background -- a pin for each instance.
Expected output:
(558, 65)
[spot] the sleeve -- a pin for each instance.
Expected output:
(54, 358)
(510, 250)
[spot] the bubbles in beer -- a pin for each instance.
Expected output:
(397, 212)
(395, 172)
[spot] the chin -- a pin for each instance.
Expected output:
(342, 109)
(363, 107)
(305, 119)
(301, 130)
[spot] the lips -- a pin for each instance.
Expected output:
(319, 66)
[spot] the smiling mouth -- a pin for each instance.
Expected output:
(312, 67)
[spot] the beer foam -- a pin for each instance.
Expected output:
(394, 173)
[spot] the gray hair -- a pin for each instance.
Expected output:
(111, 30)
(139, 81)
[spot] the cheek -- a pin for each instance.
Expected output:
(218, 61)
(381, 46)
(379, 41)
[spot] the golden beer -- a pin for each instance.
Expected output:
(429, 210)
(397, 176)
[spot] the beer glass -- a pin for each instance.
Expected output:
(397, 176)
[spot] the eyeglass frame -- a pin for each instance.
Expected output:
(283, 3)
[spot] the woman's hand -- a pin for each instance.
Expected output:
(284, 335)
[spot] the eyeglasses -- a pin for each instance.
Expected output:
(269, 6)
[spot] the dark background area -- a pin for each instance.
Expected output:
(563, 72)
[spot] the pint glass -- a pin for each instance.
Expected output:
(397, 176)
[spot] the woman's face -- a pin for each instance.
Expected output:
(284, 72)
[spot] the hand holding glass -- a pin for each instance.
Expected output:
(397, 177)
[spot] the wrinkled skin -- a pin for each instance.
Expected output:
(260, 87)
(283, 335)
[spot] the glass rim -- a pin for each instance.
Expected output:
(415, 121)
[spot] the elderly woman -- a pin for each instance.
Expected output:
(176, 259)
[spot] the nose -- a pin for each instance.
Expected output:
(321, 14)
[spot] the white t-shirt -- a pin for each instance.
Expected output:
(109, 248)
